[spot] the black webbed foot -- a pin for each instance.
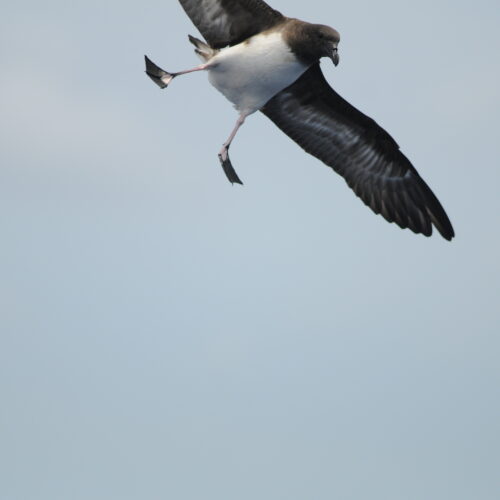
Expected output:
(161, 77)
(228, 167)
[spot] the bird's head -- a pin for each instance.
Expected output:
(311, 42)
(327, 41)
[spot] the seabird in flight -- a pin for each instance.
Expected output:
(263, 61)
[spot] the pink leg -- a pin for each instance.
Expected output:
(224, 152)
(161, 77)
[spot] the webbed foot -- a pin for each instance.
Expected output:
(228, 167)
(161, 77)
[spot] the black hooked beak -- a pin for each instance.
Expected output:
(334, 56)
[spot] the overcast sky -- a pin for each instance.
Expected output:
(165, 335)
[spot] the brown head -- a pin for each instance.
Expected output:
(311, 42)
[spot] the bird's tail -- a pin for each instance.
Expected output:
(204, 51)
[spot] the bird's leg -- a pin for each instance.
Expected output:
(161, 77)
(224, 153)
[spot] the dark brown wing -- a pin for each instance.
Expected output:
(328, 127)
(229, 22)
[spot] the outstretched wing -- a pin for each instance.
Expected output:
(229, 22)
(328, 127)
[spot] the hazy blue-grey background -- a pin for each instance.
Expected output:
(165, 335)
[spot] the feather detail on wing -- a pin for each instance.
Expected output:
(229, 22)
(328, 127)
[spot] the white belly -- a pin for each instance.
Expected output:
(250, 73)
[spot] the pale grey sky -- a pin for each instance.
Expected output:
(165, 335)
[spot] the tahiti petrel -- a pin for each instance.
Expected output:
(262, 60)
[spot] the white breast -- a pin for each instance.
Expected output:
(250, 73)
